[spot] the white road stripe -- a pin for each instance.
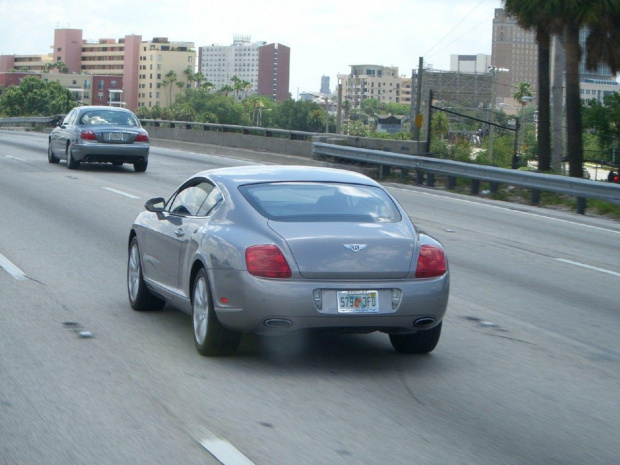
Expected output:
(11, 269)
(602, 270)
(224, 451)
(15, 158)
(124, 194)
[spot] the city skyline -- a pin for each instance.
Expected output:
(324, 41)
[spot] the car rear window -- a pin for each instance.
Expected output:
(319, 202)
(107, 117)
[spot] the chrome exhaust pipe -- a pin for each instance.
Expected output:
(278, 323)
(424, 322)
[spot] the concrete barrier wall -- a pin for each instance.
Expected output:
(237, 140)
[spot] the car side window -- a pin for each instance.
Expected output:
(189, 199)
(69, 118)
(211, 202)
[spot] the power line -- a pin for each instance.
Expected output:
(457, 25)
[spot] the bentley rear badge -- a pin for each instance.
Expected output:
(355, 247)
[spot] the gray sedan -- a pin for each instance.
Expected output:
(274, 249)
(97, 134)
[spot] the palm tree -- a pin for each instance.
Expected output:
(170, 79)
(542, 16)
(524, 89)
(440, 124)
(190, 76)
(602, 17)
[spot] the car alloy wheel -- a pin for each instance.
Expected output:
(210, 336)
(140, 298)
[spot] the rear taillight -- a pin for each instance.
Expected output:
(88, 135)
(142, 137)
(431, 262)
(617, 179)
(266, 261)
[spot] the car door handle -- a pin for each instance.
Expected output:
(179, 233)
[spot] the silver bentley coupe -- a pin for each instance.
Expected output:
(277, 249)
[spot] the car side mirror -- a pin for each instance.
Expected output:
(155, 205)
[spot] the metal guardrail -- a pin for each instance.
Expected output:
(31, 121)
(579, 188)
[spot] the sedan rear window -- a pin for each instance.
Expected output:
(318, 202)
(107, 117)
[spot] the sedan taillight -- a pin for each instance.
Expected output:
(267, 261)
(431, 262)
(88, 135)
(142, 137)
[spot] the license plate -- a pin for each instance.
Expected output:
(358, 301)
(115, 136)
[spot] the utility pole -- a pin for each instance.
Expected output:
(557, 92)
(326, 114)
(416, 121)
(339, 114)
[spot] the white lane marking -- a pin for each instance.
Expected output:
(11, 269)
(602, 270)
(15, 158)
(224, 451)
(508, 209)
(124, 194)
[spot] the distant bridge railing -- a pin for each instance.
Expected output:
(582, 189)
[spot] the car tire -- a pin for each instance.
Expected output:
(140, 298)
(422, 342)
(72, 163)
(140, 166)
(50, 154)
(210, 336)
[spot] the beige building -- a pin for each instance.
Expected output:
(128, 72)
(382, 83)
(24, 63)
(160, 62)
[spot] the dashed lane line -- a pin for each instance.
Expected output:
(11, 269)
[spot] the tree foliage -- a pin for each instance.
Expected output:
(35, 97)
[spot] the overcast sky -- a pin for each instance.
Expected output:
(325, 37)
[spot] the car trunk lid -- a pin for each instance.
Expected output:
(345, 250)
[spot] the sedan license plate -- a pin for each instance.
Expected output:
(358, 301)
(115, 136)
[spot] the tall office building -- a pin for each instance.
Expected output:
(514, 49)
(325, 85)
(265, 66)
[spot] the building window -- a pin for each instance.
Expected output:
(101, 83)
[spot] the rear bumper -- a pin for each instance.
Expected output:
(110, 153)
(254, 303)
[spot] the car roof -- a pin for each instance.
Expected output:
(253, 174)
(102, 107)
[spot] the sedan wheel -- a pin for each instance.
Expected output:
(72, 163)
(210, 337)
(421, 342)
(50, 154)
(140, 298)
